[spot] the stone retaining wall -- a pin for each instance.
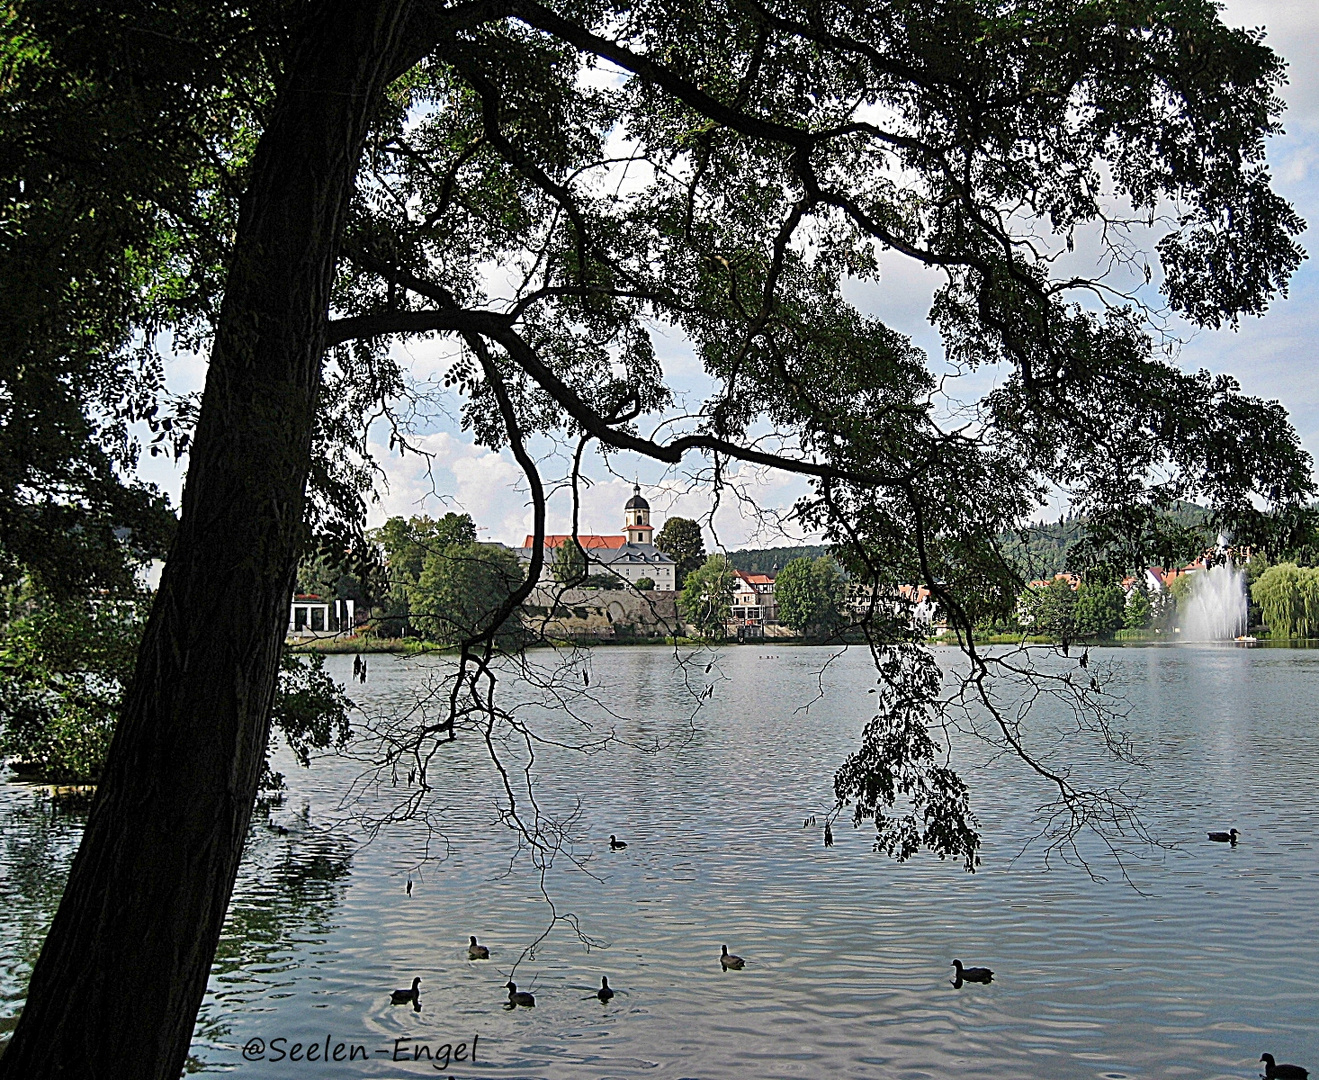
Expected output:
(613, 614)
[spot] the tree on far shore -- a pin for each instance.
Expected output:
(406, 544)
(1138, 612)
(707, 597)
(461, 591)
(681, 540)
(1099, 609)
(570, 566)
(1288, 599)
(1050, 609)
(809, 595)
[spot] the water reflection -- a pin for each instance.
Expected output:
(40, 829)
(849, 954)
(289, 884)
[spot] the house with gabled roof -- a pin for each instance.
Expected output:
(632, 555)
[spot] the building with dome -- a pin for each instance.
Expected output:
(632, 556)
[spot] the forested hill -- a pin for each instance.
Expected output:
(1044, 553)
(1048, 546)
(768, 560)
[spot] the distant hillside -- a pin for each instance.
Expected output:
(768, 560)
(1047, 547)
(1044, 554)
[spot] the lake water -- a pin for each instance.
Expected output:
(1210, 960)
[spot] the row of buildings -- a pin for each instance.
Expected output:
(632, 556)
(1157, 580)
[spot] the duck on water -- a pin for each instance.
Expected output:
(971, 974)
(1274, 1071)
(403, 997)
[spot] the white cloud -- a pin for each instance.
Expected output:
(464, 478)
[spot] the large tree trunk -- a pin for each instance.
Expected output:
(116, 990)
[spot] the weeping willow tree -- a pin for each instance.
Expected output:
(1288, 600)
(297, 189)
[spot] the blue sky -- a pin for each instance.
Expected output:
(1273, 357)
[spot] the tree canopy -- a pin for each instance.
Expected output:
(1100, 608)
(707, 596)
(681, 540)
(810, 594)
(1288, 600)
(462, 591)
(405, 545)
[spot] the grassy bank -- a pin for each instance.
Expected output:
(350, 645)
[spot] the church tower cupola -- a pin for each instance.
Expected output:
(636, 514)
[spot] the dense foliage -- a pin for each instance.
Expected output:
(64, 668)
(772, 560)
(571, 566)
(706, 598)
(1050, 609)
(1100, 608)
(1138, 610)
(462, 592)
(405, 545)
(811, 595)
(1288, 599)
(681, 540)
(66, 665)
(1046, 549)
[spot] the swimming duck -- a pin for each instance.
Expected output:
(519, 997)
(729, 961)
(403, 997)
(1274, 1071)
(973, 974)
(1229, 837)
(604, 993)
(615, 844)
(475, 951)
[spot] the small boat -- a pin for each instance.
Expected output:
(1247, 640)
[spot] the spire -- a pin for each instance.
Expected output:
(636, 515)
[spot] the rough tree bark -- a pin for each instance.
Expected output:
(117, 987)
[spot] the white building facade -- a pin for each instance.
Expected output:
(631, 556)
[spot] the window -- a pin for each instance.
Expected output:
(318, 618)
(299, 618)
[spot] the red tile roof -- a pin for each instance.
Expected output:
(586, 540)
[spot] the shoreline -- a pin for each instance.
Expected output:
(337, 646)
